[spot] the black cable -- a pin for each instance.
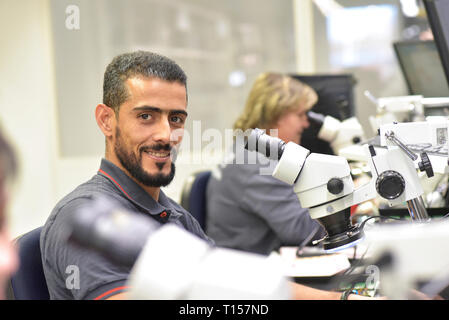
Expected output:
(360, 261)
(355, 253)
(355, 265)
(307, 240)
(362, 225)
(341, 279)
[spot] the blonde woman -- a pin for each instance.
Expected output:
(255, 212)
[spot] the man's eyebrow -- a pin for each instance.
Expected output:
(159, 110)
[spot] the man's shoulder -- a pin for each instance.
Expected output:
(58, 253)
(188, 221)
(175, 205)
(172, 204)
(96, 186)
(80, 196)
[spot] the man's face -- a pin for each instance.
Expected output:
(149, 129)
(291, 125)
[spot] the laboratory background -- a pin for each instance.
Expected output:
(54, 53)
(376, 147)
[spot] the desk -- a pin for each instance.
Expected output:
(323, 271)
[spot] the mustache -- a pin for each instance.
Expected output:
(162, 147)
(157, 147)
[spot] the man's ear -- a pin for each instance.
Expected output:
(105, 117)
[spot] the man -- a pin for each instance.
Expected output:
(144, 107)
(8, 255)
(142, 117)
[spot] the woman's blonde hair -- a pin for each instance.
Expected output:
(271, 96)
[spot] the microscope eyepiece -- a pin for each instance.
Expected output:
(317, 118)
(271, 147)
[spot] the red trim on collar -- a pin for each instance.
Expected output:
(110, 291)
(113, 180)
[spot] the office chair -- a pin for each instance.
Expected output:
(193, 196)
(28, 283)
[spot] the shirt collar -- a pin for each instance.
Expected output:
(135, 193)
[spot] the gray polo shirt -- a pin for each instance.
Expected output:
(254, 212)
(73, 272)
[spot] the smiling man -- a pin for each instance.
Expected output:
(142, 118)
(139, 133)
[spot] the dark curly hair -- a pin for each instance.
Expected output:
(139, 63)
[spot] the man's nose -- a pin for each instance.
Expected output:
(163, 131)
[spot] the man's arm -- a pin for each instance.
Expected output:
(301, 292)
(84, 273)
(276, 203)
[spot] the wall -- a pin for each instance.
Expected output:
(27, 108)
(361, 43)
(51, 78)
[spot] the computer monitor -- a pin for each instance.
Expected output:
(335, 98)
(437, 15)
(422, 69)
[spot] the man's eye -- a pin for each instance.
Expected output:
(145, 116)
(177, 119)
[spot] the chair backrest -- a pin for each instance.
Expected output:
(193, 196)
(28, 283)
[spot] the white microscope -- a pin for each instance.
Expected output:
(410, 256)
(406, 253)
(339, 134)
(324, 185)
(195, 270)
(395, 109)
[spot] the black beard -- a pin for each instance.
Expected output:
(133, 165)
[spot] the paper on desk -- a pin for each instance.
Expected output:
(317, 266)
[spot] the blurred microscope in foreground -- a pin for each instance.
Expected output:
(192, 269)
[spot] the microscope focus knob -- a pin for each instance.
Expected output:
(390, 184)
(426, 165)
(335, 185)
